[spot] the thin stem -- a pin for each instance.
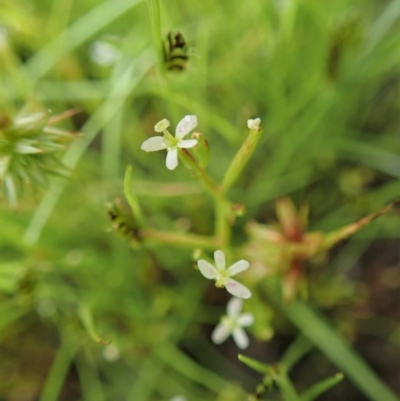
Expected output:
(222, 226)
(221, 204)
(240, 160)
(131, 198)
(181, 239)
(207, 182)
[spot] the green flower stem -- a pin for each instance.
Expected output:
(222, 226)
(240, 160)
(221, 204)
(208, 184)
(180, 239)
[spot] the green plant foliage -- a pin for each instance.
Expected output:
(279, 124)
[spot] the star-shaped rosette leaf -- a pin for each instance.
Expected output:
(171, 143)
(232, 324)
(223, 275)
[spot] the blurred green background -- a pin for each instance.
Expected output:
(324, 78)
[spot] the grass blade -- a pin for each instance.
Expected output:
(338, 351)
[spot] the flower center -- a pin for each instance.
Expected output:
(230, 322)
(222, 279)
(171, 140)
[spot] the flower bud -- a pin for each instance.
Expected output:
(254, 124)
(202, 150)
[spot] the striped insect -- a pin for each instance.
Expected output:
(175, 52)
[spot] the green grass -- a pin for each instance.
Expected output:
(324, 79)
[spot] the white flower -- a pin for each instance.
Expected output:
(222, 275)
(104, 53)
(254, 124)
(232, 323)
(187, 124)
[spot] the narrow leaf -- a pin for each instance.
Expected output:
(338, 351)
(336, 236)
(300, 347)
(321, 387)
(86, 317)
(131, 198)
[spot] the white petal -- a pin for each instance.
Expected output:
(220, 334)
(153, 144)
(234, 307)
(219, 258)
(241, 339)
(162, 125)
(245, 319)
(185, 126)
(207, 269)
(254, 124)
(238, 267)
(188, 143)
(172, 158)
(237, 289)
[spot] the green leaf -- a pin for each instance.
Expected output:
(131, 198)
(80, 31)
(86, 317)
(300, 347)
(57, 374)
(321, 387)
(338, 351)
(155, 17)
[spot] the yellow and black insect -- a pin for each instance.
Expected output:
(175, 52)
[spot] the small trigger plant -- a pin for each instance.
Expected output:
(260, 137)
(280, 248)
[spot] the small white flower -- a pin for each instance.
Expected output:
(104, 53)
(187, 124)
(232, 323)
(222, 275)
(254, 124)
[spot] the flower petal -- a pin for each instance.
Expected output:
(241, 339)
(245, 319)
(219, 258)
(234, 307)
(220, 334)
(172, 158)
(254, 124)
(185, 126)
(207, 269)
(237, 289)
(188, 143)
(238, 267)
(162, 125)
(153, 144)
